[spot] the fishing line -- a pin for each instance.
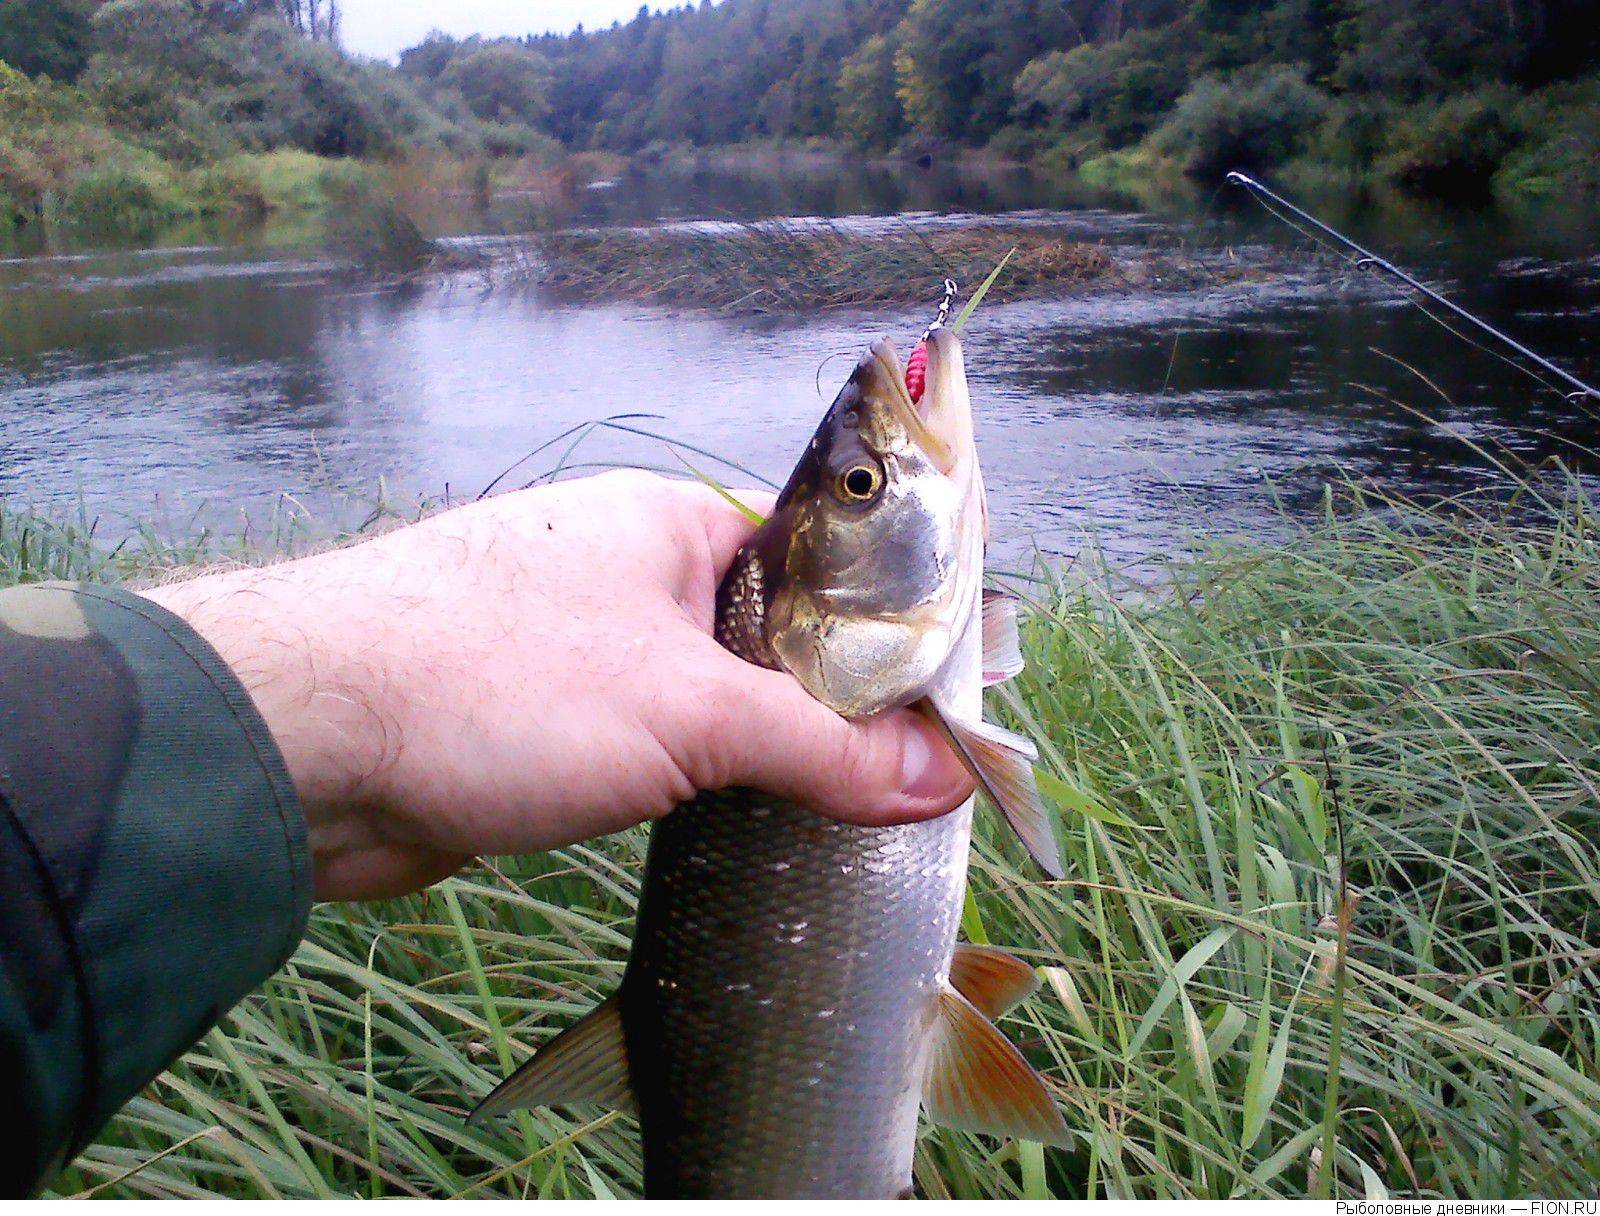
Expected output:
(1365, 259)
(1288, 221)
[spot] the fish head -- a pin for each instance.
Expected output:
(873, 556)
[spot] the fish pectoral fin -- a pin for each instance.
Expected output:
(1002, 649)
(1002, 764)
(979, 1082)
(587, 1062)
(991, 979)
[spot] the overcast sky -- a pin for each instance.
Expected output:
(386, 27)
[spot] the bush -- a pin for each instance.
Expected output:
(1561, 148)
(1452, 148)
(48, 134)
(1354, 134)
(25, 180)
(124, 194)
(509, 141)
(1018, 143)
(1242, 123)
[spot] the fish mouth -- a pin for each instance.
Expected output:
(922, 419)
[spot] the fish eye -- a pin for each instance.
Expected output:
(860, 483)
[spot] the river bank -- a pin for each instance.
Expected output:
(1327, 807)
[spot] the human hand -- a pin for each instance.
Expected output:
(529, 671)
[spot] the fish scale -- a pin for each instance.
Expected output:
(777, 999)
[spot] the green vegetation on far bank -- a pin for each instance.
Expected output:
(125, 113)
(1329, 809)
(1452, 99)
(62, 161)
(131, 111)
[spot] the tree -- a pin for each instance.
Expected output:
(502, 81)
(167, 38)
(868, 109)
(958, 60)
(303, 93)
(429, 58)
(46, 37)
(161, 71)
(1115, 92)
(1250, 120)
(316, 19)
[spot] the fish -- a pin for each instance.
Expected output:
(796, 993)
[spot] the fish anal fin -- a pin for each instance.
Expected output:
(587, 1062)
(1002, 649)
(979, 1082)
(1002, 764)
(991, 979)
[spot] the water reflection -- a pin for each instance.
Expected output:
(204, 379)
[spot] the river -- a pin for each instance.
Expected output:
(211, 378)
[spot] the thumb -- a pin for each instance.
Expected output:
(893, 768)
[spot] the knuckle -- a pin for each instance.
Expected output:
(713, 749)
(859, 766)
(635, 483)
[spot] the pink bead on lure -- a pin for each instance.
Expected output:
(917, 372)
(917, 365)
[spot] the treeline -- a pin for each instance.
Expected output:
(122, 109)
(1437, 96)
(160, 106)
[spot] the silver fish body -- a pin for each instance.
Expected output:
(782, 992)
(778, 1002)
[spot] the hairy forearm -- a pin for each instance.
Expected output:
(315, 678)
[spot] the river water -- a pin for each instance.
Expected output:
(201, 380)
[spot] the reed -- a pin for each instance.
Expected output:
(794, 265)
(1329, 810)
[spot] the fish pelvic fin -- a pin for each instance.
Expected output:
(1002, 764)
(991, 979)
(1002, 649)
(979, 1082)
(587, 1062)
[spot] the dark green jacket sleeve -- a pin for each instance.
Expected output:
(153, 861)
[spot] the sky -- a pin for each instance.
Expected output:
(384, 28)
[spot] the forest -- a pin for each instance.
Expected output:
(1441, 98)
(173, 103)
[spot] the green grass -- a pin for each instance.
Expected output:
(127, 195)
(1329, 809)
